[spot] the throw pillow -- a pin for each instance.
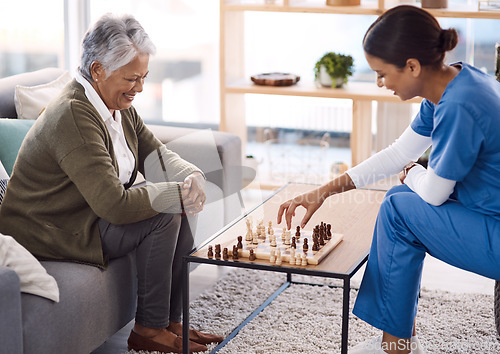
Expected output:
(33, 276)
(3, 173)
(31, 100)
(3, 188)
(12, 133)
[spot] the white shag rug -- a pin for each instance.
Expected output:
(307, 319)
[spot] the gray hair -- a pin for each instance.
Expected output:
(113, 41)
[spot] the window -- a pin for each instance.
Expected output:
(28, 41)
(182, 86)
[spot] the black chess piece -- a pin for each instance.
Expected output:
(252, 257)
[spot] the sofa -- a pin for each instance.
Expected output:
(93, 303)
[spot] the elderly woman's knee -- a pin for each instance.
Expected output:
(164, 220)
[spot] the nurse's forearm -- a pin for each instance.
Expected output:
(432, 188)
(340, 184)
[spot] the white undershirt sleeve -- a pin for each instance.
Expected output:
(390, 161)
(432, 188)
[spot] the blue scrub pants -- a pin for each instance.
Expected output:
(406, 229)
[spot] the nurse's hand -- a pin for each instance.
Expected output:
(404, 173)
(193, 193)
(311, 201)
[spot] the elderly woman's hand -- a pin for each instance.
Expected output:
(193, 193)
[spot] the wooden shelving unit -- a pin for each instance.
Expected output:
(234, 84)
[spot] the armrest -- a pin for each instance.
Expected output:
(198, 147)
(11, 328)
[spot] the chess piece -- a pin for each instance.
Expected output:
(328, 231)
(321, 240)
(249, 235)
(304, 260)
(298, 259)
(210, 253)
(278, 257)
(217, 251)
(270, 227)
(255, 239)
(252, 257)
(292, 256)
(287, 239)
(235, 252)
(225, 255)
(273, 241)
(305, 246)
(293, 244)
(240, 243)
(272, 257)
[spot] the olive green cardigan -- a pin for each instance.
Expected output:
(65, 178)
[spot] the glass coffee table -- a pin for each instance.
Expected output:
(351, 214)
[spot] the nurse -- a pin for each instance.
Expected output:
(451, 209)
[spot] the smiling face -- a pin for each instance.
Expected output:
(402, 81)
(120, 87)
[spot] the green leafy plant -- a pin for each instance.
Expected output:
(336, 65)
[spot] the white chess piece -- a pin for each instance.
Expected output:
(298, 260)
(304, 260)
(287, 238)
(273, 241)
(292, 256)
(272, 258)
(278, 257)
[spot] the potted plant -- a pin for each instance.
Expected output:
(333, 69)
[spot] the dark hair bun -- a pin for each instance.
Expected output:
(449, 39)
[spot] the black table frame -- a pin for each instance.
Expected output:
(346, 277)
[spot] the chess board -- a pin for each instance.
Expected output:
(262, 247)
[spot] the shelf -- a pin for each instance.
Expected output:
(363, 91)
(366, 8)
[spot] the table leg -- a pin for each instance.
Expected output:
(345, 315)
(185, 306)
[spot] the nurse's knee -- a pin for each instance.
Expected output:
(402, 188)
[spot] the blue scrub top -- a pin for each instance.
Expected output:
(465, 131)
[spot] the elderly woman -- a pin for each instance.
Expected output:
(69, 195)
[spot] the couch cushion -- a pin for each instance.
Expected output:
(3, 173)
(34, 277)
(12, 133)
(8, 86)
(31, 100)
(94, 304)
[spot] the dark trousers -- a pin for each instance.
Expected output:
(160, 243)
